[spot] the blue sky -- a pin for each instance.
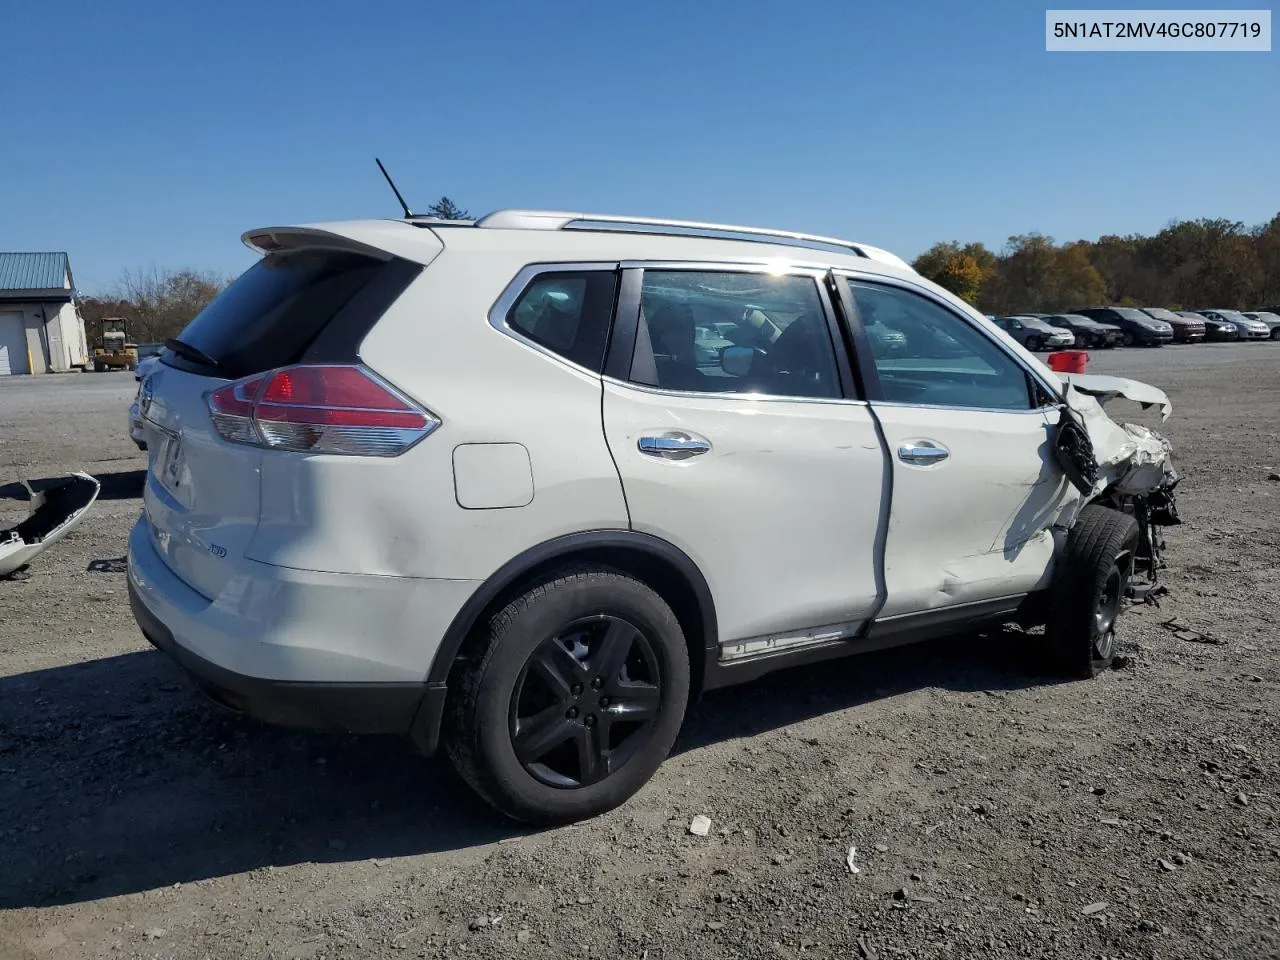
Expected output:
(155, 133)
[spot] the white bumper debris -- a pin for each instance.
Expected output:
(57, 505)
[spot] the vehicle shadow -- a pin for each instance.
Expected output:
(116, 776)
(121, 484)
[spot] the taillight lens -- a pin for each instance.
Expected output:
(320, 409)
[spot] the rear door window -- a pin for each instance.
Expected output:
(724, 332)
(273, 311)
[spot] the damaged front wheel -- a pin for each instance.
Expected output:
(1088, 591)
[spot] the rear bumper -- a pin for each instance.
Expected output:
(299, 648)
(355, 707)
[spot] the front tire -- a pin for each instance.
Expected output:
(574, 699)
(1034, 344)
(1088, 590)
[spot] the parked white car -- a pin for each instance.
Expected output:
(481, 485)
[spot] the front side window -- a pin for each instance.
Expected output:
(925, 354)
(568, 312)
(723, 332)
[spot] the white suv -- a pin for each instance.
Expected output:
(525, 486)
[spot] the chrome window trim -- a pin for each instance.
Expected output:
(1054, 390)
(715, 395)
(943, 406)
(773, 267)
(519, 283)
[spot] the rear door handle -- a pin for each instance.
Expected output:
(922, 453)
(672, 445)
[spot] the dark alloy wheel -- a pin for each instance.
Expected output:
(1104, 617)
(1087, 594)
(585, 702)
(1127, 339)
(569, 697)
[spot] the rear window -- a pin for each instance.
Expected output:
(273, 311)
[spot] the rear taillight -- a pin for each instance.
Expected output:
(319, 409)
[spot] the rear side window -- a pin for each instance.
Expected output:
(568, 313)
(273, 311)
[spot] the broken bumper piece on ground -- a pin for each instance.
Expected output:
(57, 505)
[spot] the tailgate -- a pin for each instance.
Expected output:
(202, 493)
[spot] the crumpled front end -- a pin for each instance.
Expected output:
(1125, 466)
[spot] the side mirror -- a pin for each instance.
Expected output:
(736, 361)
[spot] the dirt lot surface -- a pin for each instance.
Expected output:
(996, 813)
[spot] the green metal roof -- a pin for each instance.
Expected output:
(33, 271)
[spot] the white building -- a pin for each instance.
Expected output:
(40, 328)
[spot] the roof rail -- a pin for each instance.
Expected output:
(564, 220)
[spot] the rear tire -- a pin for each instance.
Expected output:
(99, 367)
(1087, 594)
(1275, 333)
(584, 671)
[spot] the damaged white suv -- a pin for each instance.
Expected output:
(523, 487)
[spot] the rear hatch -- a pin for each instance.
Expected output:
(310, 304)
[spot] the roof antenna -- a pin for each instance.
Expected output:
(408, 214)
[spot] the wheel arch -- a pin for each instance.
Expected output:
(652, 560)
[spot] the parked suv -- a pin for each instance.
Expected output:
(1087, 331)
(483, 486)
(1035, 333)
(1135, 326)
(1185, 329)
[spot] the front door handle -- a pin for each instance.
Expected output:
(922, 453)
(672, 445)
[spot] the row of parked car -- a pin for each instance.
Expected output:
(1104, 327)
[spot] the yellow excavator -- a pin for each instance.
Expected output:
(114, 352)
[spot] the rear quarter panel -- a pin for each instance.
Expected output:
(401, 516)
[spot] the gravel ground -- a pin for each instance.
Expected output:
(996, 813)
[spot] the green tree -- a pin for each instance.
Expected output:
(446, 209)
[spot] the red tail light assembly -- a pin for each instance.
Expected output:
(337, 409)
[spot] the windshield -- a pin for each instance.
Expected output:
(1131, 313)
(1232, 315)
(1160, 313)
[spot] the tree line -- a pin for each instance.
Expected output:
(1190, 264)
